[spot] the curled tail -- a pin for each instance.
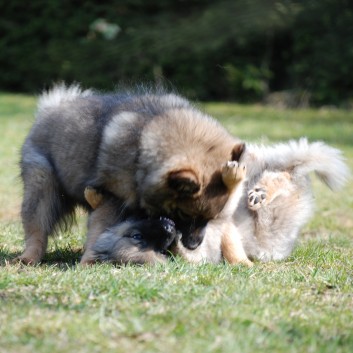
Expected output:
(327, 162)
(58, 94)
(302, 157)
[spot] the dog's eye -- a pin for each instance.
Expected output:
(136, 236)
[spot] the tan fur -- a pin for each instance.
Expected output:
(94, 198)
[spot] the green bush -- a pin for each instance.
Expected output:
(323, 50)
(236, 50)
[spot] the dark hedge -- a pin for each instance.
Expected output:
(236, 50)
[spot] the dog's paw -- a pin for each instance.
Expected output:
(233, 173)
(88, 258)
(257, 198)
(247, 262)
(93, 197)
(25, 260)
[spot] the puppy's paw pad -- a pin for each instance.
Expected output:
(233, 172)
(257, 198)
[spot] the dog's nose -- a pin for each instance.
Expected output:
(193, 240)
(167, 224)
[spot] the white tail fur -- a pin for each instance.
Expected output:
(58, 94)
(303, 157)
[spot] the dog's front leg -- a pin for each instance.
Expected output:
(233, 175)
(104, 216)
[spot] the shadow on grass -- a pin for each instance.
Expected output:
(63, 258)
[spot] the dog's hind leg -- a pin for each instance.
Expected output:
(43, 206)
(232, 247)
(270, 186)
(278, 215)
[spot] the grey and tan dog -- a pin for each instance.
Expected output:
(154, 152)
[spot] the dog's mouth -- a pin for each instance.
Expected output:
(192, 232)
(189, 229)
(161, 232)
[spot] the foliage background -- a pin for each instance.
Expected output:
(240, 50)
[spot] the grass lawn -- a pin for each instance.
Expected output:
(303, 304)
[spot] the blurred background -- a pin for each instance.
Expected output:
(288, 52)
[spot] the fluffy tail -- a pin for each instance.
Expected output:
(303, 157)
(58, 94)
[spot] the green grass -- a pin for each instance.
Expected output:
(303, 304)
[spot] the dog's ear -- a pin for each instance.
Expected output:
(185, 182)
(237, 151)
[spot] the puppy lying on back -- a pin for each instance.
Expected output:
(278, 199)
(143, 240)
